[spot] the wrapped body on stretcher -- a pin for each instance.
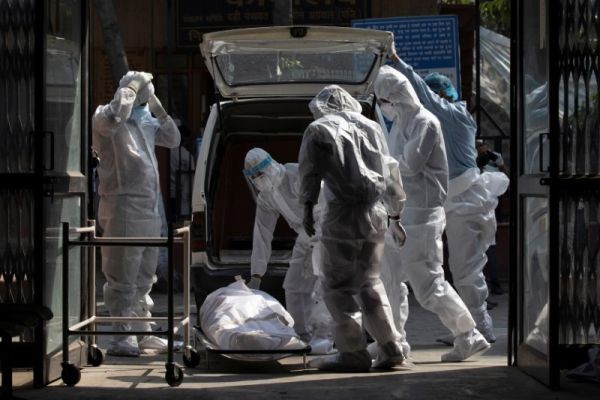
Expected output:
(236, 317)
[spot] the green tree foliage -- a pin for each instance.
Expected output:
(494, 14)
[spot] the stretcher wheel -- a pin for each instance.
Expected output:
(192, 360)
(70, 374)
(174, 375)
(95, 356)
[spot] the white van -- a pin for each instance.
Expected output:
(266, 76)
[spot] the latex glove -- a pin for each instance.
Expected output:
(397, 231)
(156, 107)
(139, 80)
(309, 220)
(254, 282)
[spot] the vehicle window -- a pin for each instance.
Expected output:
(295, 67)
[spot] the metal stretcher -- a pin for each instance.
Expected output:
(87, 327)
(210, 348)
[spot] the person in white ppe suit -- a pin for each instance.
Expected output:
(124, 135)
(278, 195)
(472, 196)
(417, 143)
(349, 153)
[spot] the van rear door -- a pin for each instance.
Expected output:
(294, 61)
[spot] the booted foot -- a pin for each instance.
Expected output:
(487, 330)
(466, 345)
(389, 355)
(486, 326)
(373, 349)
(124, 347)
(356, 361)
(158, 345)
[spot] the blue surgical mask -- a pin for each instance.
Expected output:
(139, 112)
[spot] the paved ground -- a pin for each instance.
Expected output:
(487, 377)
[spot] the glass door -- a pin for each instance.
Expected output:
(531, 220)
(65, 125)
(43, 131)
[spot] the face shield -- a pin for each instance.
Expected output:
(262, 171)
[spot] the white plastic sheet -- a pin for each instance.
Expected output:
(238, 318)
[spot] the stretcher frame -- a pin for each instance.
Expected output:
(87, 327)
(209, 349)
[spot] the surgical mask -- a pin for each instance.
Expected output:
(388, 111)
(139, 112)
(263, 182)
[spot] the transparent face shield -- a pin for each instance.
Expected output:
(251, 187)
(258, 178)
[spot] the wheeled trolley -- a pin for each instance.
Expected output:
(87, 327)
(246, 355)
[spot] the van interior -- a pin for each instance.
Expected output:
(276, 126)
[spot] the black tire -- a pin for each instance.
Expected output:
(174, 375)
(70, 374)
(95, 356)
(193, 360)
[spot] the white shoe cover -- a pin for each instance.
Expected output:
(485, 325)
(124, 347)
(487, 330)
(389, 355)
(466, 345)
(356, 361)
(373, 349)
(158, 344)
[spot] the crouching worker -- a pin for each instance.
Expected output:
(278, 195)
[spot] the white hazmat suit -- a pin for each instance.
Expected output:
(349, 153)
(124, 136)
(417, 143)
(278, 195)
(471, 201)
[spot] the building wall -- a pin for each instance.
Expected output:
(387, 8)
(143, 25)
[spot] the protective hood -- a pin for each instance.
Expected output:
(393, 88)
(143, 94)
(333, 99)
(264, 172)
(294, 60)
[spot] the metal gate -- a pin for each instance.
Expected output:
(555, 302)
(43, 173)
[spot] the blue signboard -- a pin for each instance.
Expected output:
(428, 43)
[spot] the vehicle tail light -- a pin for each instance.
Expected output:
(198, 232)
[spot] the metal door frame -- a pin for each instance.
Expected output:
(567, 178)
(41, 183)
